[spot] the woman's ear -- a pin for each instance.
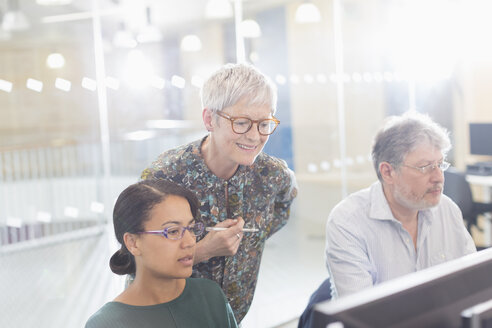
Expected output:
(207, 116)
(131, 243)
(386, 171)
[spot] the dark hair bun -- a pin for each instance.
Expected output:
(122, 262)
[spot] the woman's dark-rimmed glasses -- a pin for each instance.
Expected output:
(241, 125)
(177, 232)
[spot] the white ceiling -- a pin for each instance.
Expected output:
(164, 12)
(60, 23)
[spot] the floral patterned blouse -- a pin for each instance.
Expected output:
(261, 193)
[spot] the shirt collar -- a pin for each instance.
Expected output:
(379, 207)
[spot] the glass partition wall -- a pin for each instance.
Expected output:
(93, 91)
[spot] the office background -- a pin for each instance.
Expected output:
(92, 91)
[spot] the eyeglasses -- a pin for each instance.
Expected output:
(241, 125)
(177, 232)
(426, 169)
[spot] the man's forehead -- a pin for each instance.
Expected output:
(425, 152)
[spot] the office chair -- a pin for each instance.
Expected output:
(458, 189)
(323, 293)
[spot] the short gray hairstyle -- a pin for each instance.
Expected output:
(234, 82)
(402, 134)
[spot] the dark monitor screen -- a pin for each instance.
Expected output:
(481, 139)
(434, 297)
(478, 316)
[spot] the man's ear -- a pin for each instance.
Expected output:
(131, 243)
(387, 172)
(207, 116)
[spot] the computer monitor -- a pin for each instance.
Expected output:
(480, 139)
(478, 316)
(434, 297)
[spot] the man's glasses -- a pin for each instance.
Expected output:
(426, 169)
(241, 125)
(177, 232)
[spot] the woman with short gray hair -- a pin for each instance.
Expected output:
(245, 195)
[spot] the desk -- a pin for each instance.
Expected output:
(486, 183)
(481, 180)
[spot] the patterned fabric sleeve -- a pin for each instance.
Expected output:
(147, 174)
(284, 198)
(157, 169)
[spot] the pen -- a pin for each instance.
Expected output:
(222, 229)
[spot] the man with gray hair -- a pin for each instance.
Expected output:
(402, 223)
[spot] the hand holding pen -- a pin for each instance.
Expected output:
(222, 240)
(222, 229)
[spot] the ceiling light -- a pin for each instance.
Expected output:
(378, 77)
(178, 81)
(216, 9)
(124, 38)
(150, 32)
(280, 79)
(250, 29)
(307, 13)
(367, 77)
(34, 85)
(388, 76)
(140, 135)
(254, 57)
(191, 43)
(15, 20)
(157, 82)
(71, 212)
(169, 124)
(325, 165)
(294, 79)
(356, 77)
(308, 78)
(312, 168)
(53, 2)
(89, 84)
(63, 84)
(97, 207)
(55, 60)
(43, 216)
(138, 69)
(112, 82)
(14, 222)
(5, 86)
(197, 81)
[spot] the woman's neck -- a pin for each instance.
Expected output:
(215, 161)
(150, 291)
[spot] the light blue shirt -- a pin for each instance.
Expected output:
(366, 245)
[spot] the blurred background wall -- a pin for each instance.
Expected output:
(92, 91)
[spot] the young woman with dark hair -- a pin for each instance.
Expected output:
(154, 220)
